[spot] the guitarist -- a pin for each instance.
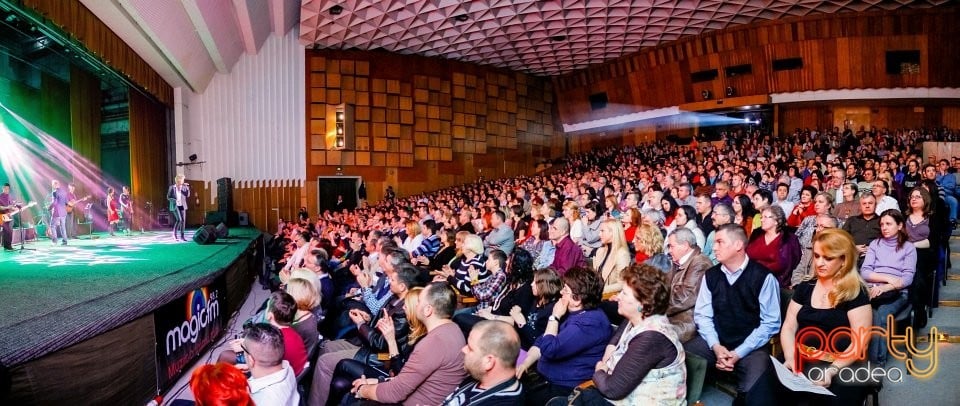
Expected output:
(71, 200)
(6, 205)
(58, 212)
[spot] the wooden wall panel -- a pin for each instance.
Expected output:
(951, 116)
(839, 51)
(422, 121)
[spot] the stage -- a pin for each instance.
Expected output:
(81, 318)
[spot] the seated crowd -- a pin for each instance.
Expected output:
(594, 283)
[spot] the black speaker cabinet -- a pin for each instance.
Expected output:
(205, 235)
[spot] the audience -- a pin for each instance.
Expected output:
(567, 254)
(490, 358)
(567, 351)
(219, 384)
(596, 189)
(644, 361)
(689, 266)
(834, 298)
(888, 269)
(774, 246)
(436, 366)
(272, 379)
(735, 321)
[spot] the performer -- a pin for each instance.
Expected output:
(58, 212)
(126, 210)
(6, 206)
(177, 195)
(71, 221)
(113, 210)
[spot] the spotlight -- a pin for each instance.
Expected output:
(706, 94)
(193, 158)
(461, 17)
(340, 142)
(336, 9)
(731, 91)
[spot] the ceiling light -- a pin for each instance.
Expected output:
(461, 17)
(558, 38)
(336, 9)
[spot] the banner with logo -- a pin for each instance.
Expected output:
(186, 326)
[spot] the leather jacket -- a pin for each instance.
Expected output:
(373, 342)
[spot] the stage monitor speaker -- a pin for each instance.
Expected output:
(243, 219)
(205, 235)
(222, 231)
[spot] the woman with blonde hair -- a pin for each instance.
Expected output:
(470, 270)
(648, 242)
(307, 296)
(349, 370)
(414, 237)
(571, 212)
(834, 297)
(612, 257)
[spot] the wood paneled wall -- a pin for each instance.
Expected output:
(878, 114)
(839, 51)
(75, 19)
(424, 123)
(256, 198)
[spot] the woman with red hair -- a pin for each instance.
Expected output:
(220, 385)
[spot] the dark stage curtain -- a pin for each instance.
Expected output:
(149, 177)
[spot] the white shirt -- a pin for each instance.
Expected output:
(278, 388)
(179, 194)
(885, 203)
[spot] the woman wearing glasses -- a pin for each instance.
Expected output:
(774, 246)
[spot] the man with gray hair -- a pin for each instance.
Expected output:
(689, 265)
(568, 253)
(685, 195)
(272, 380)
(737, 312)
(722, 214)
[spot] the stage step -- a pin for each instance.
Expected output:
(950, 303)
(944, 338)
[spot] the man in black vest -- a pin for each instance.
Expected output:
(737, 312)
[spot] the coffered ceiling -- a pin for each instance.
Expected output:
(189, 41)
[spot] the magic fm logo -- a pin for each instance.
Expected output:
(202, 309)
(857, 350)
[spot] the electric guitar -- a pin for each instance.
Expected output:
(8, 216)
(72, 203)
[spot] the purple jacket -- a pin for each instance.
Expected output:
(568, 255)
(883, 257)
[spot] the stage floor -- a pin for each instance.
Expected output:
(56, 296)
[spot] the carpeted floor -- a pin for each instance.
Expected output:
(57, 295)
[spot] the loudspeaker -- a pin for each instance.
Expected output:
(224, 195)
(205, 235)
(243, 219)
(222, 231)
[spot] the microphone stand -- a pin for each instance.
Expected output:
(22, 242)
